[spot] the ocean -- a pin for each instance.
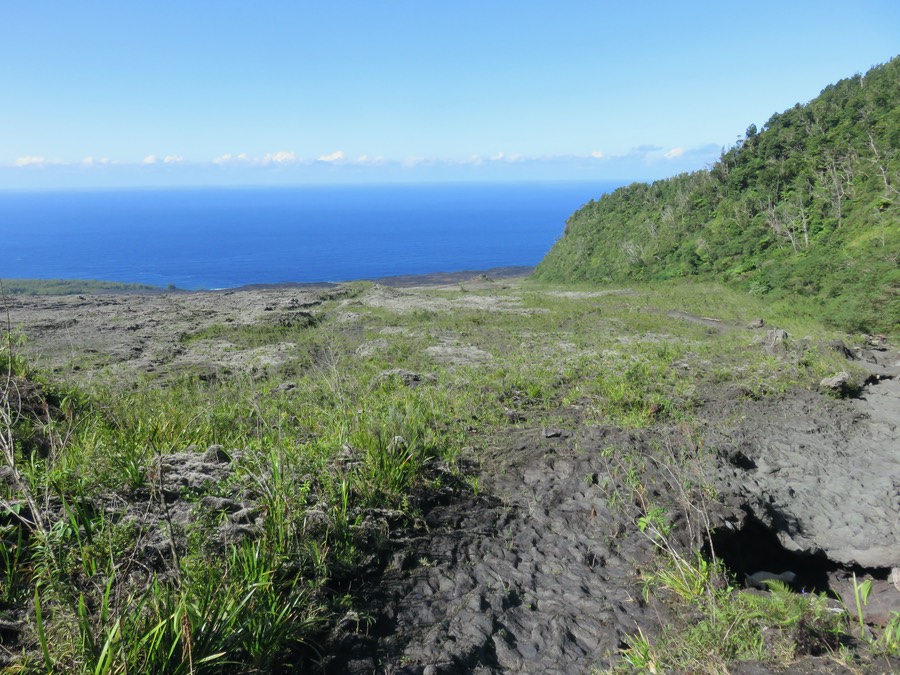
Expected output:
(209, 238)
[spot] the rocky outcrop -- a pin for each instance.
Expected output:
(823, 474)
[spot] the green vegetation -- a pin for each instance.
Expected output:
(99, 605)
(726, 623)
(335, 453)
(72, 287)
(808, 206)
(736, 626)
(325, 434)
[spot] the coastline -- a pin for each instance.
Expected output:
(400, 280)
(198, 240)
(84, 286)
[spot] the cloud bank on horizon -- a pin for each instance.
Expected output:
(649, 153)
(285, 167)
(282, 92)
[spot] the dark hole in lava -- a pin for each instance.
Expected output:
(754, 548)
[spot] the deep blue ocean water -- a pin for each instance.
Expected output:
(223, 238)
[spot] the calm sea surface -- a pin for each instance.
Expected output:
(222, 238)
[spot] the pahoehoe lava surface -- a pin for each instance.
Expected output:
(824, 474)
(540, 577)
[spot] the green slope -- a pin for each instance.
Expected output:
(808, 205)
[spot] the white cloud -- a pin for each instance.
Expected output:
(411, 162)
(365, 159)
(242, 158)
(281, 157)
(478, 160)
(96, 161)
(37, 161)
(333, 157)
(33, 160)
(509, 159)
(228, 158)
(643, 156)
(167, 159)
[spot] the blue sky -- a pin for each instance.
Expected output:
(111, 93)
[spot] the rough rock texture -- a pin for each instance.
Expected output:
(836, 382)
(815, 665)
(542, 577)
(179, 478)
(402, 301)
(192, 470)
(537, 569)
(149, 332)
(824, 474)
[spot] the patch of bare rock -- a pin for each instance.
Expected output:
(450, 351)
(814, 481)
(404, 301)
(537, 574)
(153, 331)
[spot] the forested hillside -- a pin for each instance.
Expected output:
(807, 205)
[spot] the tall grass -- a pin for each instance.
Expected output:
(343, 443)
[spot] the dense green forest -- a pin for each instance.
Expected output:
(808, 205)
